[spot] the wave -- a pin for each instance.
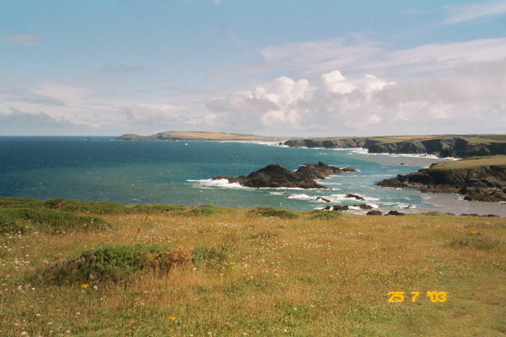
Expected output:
(216, 183)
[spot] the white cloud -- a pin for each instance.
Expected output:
(469, 98)
(461, 13)
(20, 39)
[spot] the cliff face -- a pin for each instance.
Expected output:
(481, 184)
(442, 147)
(277, 176)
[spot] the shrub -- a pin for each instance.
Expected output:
(279, 213)
(82, 206)
(149, 209)
(22, 219)
(204, 210)
(20, 203)
(324, 215)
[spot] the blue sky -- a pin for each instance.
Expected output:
(287, 68)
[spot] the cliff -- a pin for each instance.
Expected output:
(277, 176)
(442, 146)
(480, 179)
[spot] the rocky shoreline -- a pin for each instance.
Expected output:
(458, 146)
(277, 176)
(484, 183)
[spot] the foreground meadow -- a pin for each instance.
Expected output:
(243, 272)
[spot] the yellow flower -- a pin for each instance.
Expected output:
(473, 232)
(88, 212)
(85, 286)
(175, 229)
(150, 218)
(57, 255)
(171, 318)
(103, 235)
(208, 218)
(382, 274)
(444, 231)
(456, 226)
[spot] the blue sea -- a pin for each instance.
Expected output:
(180, 172)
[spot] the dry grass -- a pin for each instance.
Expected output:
(284, 277)
(472, 162)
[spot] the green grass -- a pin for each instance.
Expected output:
(324, 215)
(23, 220)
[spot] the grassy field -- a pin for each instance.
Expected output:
(471, 162)
(205, 271)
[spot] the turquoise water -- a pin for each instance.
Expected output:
(172, 172)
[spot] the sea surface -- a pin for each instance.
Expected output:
(180, 172)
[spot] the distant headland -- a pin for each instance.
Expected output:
(460, 146)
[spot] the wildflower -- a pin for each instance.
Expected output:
(456, 226)
(382, 274)
(175, 229)
(171, 318)
(103, 235)
(88, 212)
(85, 286)
(444, 231)
(473, 232)
(150, 218)
(57, 255)
(208, 218)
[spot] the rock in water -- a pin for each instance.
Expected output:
(275, 175)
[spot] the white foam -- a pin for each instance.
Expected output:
(301, 197)
(276, 193)
(217, 183)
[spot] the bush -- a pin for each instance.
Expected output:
(204, 210)
(279, 213)
(121, 263)
(324, 215)
(149, 209)
(23, 219)
(82, 206)
(20, 203)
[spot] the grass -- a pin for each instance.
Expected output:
(471, 162)
(274, 212)
(251, 275)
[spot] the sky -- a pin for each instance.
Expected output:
(289, 68)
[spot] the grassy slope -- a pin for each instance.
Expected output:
(472, 162)
(290, 276)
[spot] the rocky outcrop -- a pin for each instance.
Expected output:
(277, 176)
(347, 207)
(486, 183)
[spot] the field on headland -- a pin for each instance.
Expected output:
(473, 162)
(199, 135)
(254, 272)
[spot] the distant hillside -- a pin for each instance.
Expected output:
(443, 146)
(199, 135)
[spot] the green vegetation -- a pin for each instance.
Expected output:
(236, 273)
(21, 220)
(324, 215)
(274, 212)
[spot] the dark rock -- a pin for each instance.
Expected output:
(394, 213)
(276, 176)
(322, 199)
(356, 196)
(374, 213)
(348, 207)
(484, 183)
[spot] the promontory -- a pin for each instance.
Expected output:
(277, 176)
(479, 178)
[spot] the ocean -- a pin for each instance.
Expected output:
(180, 172)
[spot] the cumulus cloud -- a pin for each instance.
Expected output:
(20, 39)
(461, 13)
(469, 98)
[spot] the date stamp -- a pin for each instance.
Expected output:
(399, 296)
